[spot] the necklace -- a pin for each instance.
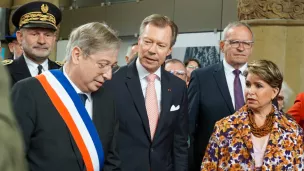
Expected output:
(265, 129)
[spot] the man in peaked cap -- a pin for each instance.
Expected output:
(37, 23)
(14, 46)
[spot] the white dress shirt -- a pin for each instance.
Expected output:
(230, 79)
(33, 67)
(89, 101)
(142, 73)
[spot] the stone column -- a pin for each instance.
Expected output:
(18, 3)
(278, 27)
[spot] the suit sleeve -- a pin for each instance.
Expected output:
(112, 162)
(210, 160)
(297, 110)
(24, 108)
(193, 96)
(181, 136)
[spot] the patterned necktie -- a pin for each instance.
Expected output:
(83, 98)
(238, 92)
(39, 69)
(151, 104)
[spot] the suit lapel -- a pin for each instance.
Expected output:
(219, 76)
(21, 71)
(166, 98)
(134, 86)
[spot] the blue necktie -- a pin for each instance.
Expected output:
(83, 98)
(238, 92)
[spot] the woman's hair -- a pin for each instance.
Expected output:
(194, 60)
(267, 71)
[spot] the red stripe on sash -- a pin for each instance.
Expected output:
(62, 110)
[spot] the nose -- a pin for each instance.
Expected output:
(41, 39)
(152, 49)
(241, 47)
(108, 75)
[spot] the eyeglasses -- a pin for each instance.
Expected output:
(104, 66)
(280, 98)
(192, 67)
(178, 72)
(237, 43)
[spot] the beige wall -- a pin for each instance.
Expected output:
(283, 43)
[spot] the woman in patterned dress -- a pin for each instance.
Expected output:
(258, 136)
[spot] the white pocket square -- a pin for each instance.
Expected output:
(174, 108)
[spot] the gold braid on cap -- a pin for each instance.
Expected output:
(39, 17)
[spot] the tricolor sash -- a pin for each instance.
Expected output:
(73, 112)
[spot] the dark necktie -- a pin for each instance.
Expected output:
(39, 69)
(83, 98)
(238, 92)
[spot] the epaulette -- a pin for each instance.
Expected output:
(59, 63)
(7, 62)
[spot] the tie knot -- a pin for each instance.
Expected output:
(83, 98)
(236, 72)
(39, 69)
(151, 77)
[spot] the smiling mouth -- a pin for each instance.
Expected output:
(40, 48)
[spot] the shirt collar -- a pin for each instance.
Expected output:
(229, 69)
(32, 64)
(142, 72)
(75, 87)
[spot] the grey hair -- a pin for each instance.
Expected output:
(160, 21)
(236, 24)
(92, 38)
(286, 92)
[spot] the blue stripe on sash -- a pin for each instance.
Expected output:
(82, 111)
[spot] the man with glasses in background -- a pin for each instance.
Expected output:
(176, 67)
(218, 90)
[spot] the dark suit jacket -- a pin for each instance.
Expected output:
(168, 150)
(48, 141)
(209, 101)
(18, 69)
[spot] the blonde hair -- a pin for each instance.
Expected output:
(91, 38)
(267, 71)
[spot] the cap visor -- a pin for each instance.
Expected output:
(39, 25)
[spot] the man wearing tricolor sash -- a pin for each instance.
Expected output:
(67, 118)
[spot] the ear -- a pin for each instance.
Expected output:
(138, 41)
(19, 36)
(127, 58)
(275, 92)
(222, 44)
(169, 52)
(76, 55)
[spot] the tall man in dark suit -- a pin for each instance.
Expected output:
(152, 104)
(67, 118)
(37, 22)
(218, 91)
